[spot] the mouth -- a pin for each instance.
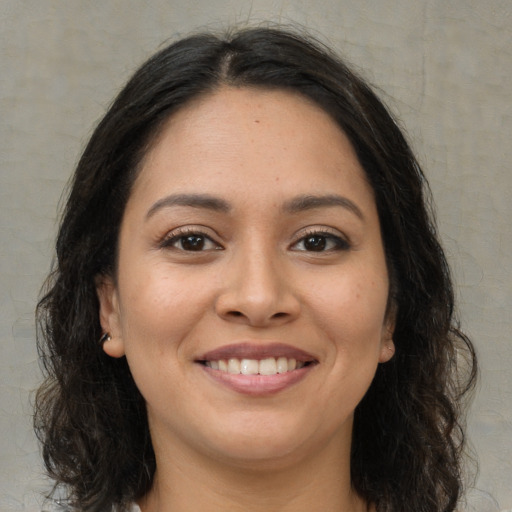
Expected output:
(267, 366)
(257, 369)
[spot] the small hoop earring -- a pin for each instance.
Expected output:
(104, 337)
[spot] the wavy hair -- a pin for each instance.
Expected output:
(90, 417)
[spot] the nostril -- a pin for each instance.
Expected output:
(279, 315)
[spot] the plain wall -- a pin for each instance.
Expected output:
(444, 67)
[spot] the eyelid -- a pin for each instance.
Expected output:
(182, 231)
(325, 231)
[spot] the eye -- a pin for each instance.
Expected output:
(321, 242)
(190, 241)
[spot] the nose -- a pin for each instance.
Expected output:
(257, 290)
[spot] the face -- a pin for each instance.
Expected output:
(251, 289)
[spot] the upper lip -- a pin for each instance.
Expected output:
(251, 350)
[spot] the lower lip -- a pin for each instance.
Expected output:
(258, 385)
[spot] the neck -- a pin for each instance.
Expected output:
(188, 482)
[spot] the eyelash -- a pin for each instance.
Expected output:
(338, 242)
(323, 240)
(181, 234)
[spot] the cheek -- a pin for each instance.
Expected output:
(352, 307)
(160, 315)
(350, 311)
(161, 309)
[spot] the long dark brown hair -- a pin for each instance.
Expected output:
(90, 417)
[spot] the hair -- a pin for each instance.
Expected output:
(408, 434)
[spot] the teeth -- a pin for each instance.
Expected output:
(249, 367)
(269, 366)
(233, 366)
(282, 365)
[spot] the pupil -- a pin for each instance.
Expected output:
(193, 243)
(315, 243)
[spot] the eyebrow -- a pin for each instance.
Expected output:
(311, 202)
(296, 205)
(204, 201)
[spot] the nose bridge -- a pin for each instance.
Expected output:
(256, 289)
(259, 280)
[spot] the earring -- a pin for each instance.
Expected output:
(104, 337)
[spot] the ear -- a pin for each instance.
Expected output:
(110, 316)
(387, 346)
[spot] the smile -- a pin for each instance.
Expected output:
(268, 366)
(257, 369)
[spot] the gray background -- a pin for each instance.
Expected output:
(446, 69)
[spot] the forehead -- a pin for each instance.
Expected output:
(237, 136)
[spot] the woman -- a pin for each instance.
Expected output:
(247, 235)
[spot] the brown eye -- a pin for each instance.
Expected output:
(190, 242)
(315, 243)
(321, 242)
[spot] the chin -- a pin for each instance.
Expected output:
(261, 456)
(265, 445)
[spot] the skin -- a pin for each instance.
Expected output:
(257, 280)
